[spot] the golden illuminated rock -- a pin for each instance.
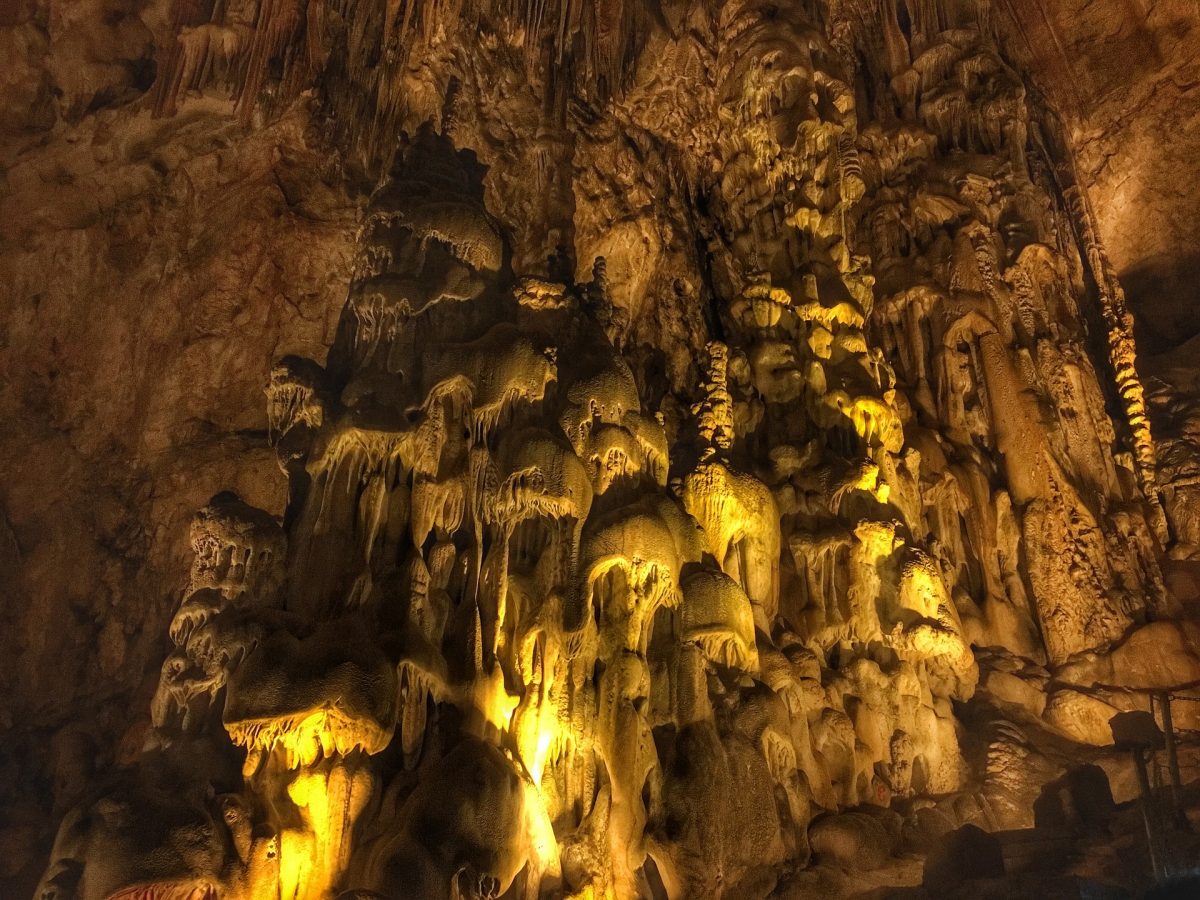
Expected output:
(708, 461)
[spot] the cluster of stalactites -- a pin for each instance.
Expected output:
(1122, 351)
(791, 179)
(900, 30)
(237, 568)
(788, 167)
(979, 311)
(267, 51)
(800, 378)
(235, 45)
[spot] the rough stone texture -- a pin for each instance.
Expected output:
(1127, 78)
(154, 267)
(850, 840)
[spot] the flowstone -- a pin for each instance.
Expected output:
(538, 622)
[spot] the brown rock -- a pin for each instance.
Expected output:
(853, 841)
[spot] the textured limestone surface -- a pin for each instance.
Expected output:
(1127, 78)
(716, 426)
(152, 270)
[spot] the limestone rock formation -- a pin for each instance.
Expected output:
(640, 448)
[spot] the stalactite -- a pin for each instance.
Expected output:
(362, 65)
(1122, 353)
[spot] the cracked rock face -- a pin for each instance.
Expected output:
(639, 449)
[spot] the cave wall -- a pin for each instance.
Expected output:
(1125, 78)
(145, 285)
(176, 221)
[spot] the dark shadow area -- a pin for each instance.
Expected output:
(1162, 297)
